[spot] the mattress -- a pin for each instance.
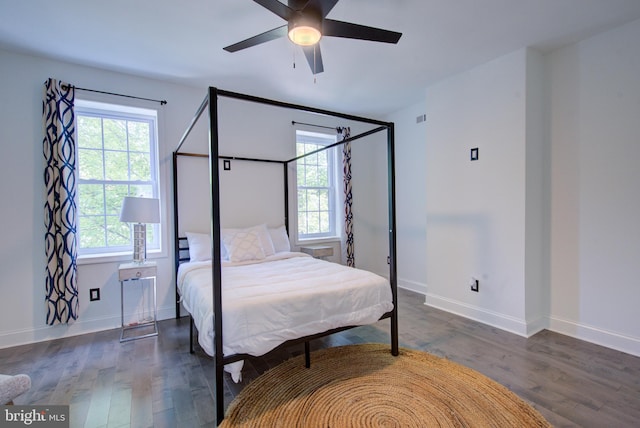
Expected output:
(284, 296)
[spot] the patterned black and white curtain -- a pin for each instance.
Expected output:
(60, 205)
(348, 254)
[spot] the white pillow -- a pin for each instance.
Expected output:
(200, 247)
(263, 235)
(243, 245)
(280, 239)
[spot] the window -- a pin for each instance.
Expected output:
(117, 157)
(316, 185)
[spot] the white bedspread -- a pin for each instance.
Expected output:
(285, 296)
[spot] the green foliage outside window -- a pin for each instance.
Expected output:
(315, 192)
(115, 159)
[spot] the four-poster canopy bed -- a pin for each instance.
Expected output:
(377, 300)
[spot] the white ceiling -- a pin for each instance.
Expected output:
(182, 40)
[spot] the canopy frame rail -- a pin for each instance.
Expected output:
(211, 101)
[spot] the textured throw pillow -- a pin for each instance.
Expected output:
(280, 239)
(243, 245)
(263, 235)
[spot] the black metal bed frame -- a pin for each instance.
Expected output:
(211, 101)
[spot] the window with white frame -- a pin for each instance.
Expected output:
(316, 186)
(117, 156)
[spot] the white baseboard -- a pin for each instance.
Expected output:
(494, 319)
(41, 334)
(608, 339)
(598, 336)
(412, 286)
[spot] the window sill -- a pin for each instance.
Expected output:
(91, 259)
(315, 241)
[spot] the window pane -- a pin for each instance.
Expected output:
(91, 232)
(323, 158)
(324, 222)
(141, 190)
(316, 213)
(115, 194)
(116, 147)
(138, 136)
(140, 166)
(115, 134)
(89, 132)
(302, 172)
(312, 176)
(91, 199)
(116, 165)
(313, 225)
(302, 200)
(314, 200)
(90, 164)
(118, 233)
(324, 200)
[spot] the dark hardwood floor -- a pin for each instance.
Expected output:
(156, 382)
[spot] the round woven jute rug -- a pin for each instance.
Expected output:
(365, 386)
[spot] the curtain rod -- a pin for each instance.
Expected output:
(293, 122)
(162, 102)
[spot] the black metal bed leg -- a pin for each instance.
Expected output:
(395, 351)
(191, 335)
(307, 354)
(219, 392)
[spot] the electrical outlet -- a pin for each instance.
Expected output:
(94, 294)
(475, 285)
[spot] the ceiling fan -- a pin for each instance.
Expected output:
(307, 24)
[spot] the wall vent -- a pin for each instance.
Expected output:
(421, 118)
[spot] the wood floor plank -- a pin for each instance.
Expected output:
(156, 382)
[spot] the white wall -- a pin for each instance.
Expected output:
(22, 308)
(547, 218)
(595, 239)
(410, 153)
(370, 207)
(249, 197)
(251, 193)
(476, 209)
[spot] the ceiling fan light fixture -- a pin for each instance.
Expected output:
(304, 32)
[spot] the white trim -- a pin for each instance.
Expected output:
(609, 339)
(494, 319)
(414, 286)
(598, 336)
(41, 334)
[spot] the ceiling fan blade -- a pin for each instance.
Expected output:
(282, 10)
(355, 31)
(324, 6)
(314, 58)
(259, 39)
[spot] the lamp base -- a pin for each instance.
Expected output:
(139, 243)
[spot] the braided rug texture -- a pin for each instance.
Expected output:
(365, 386)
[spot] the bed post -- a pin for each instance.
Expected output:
(285, 165)
(392, 237)
(215, 251)
(176, 243)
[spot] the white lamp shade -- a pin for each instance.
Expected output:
(140, 210)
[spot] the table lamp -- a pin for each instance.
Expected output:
(140, 211)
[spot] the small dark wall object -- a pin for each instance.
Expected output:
(94, 294)
(474, 154)
(226, 164)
